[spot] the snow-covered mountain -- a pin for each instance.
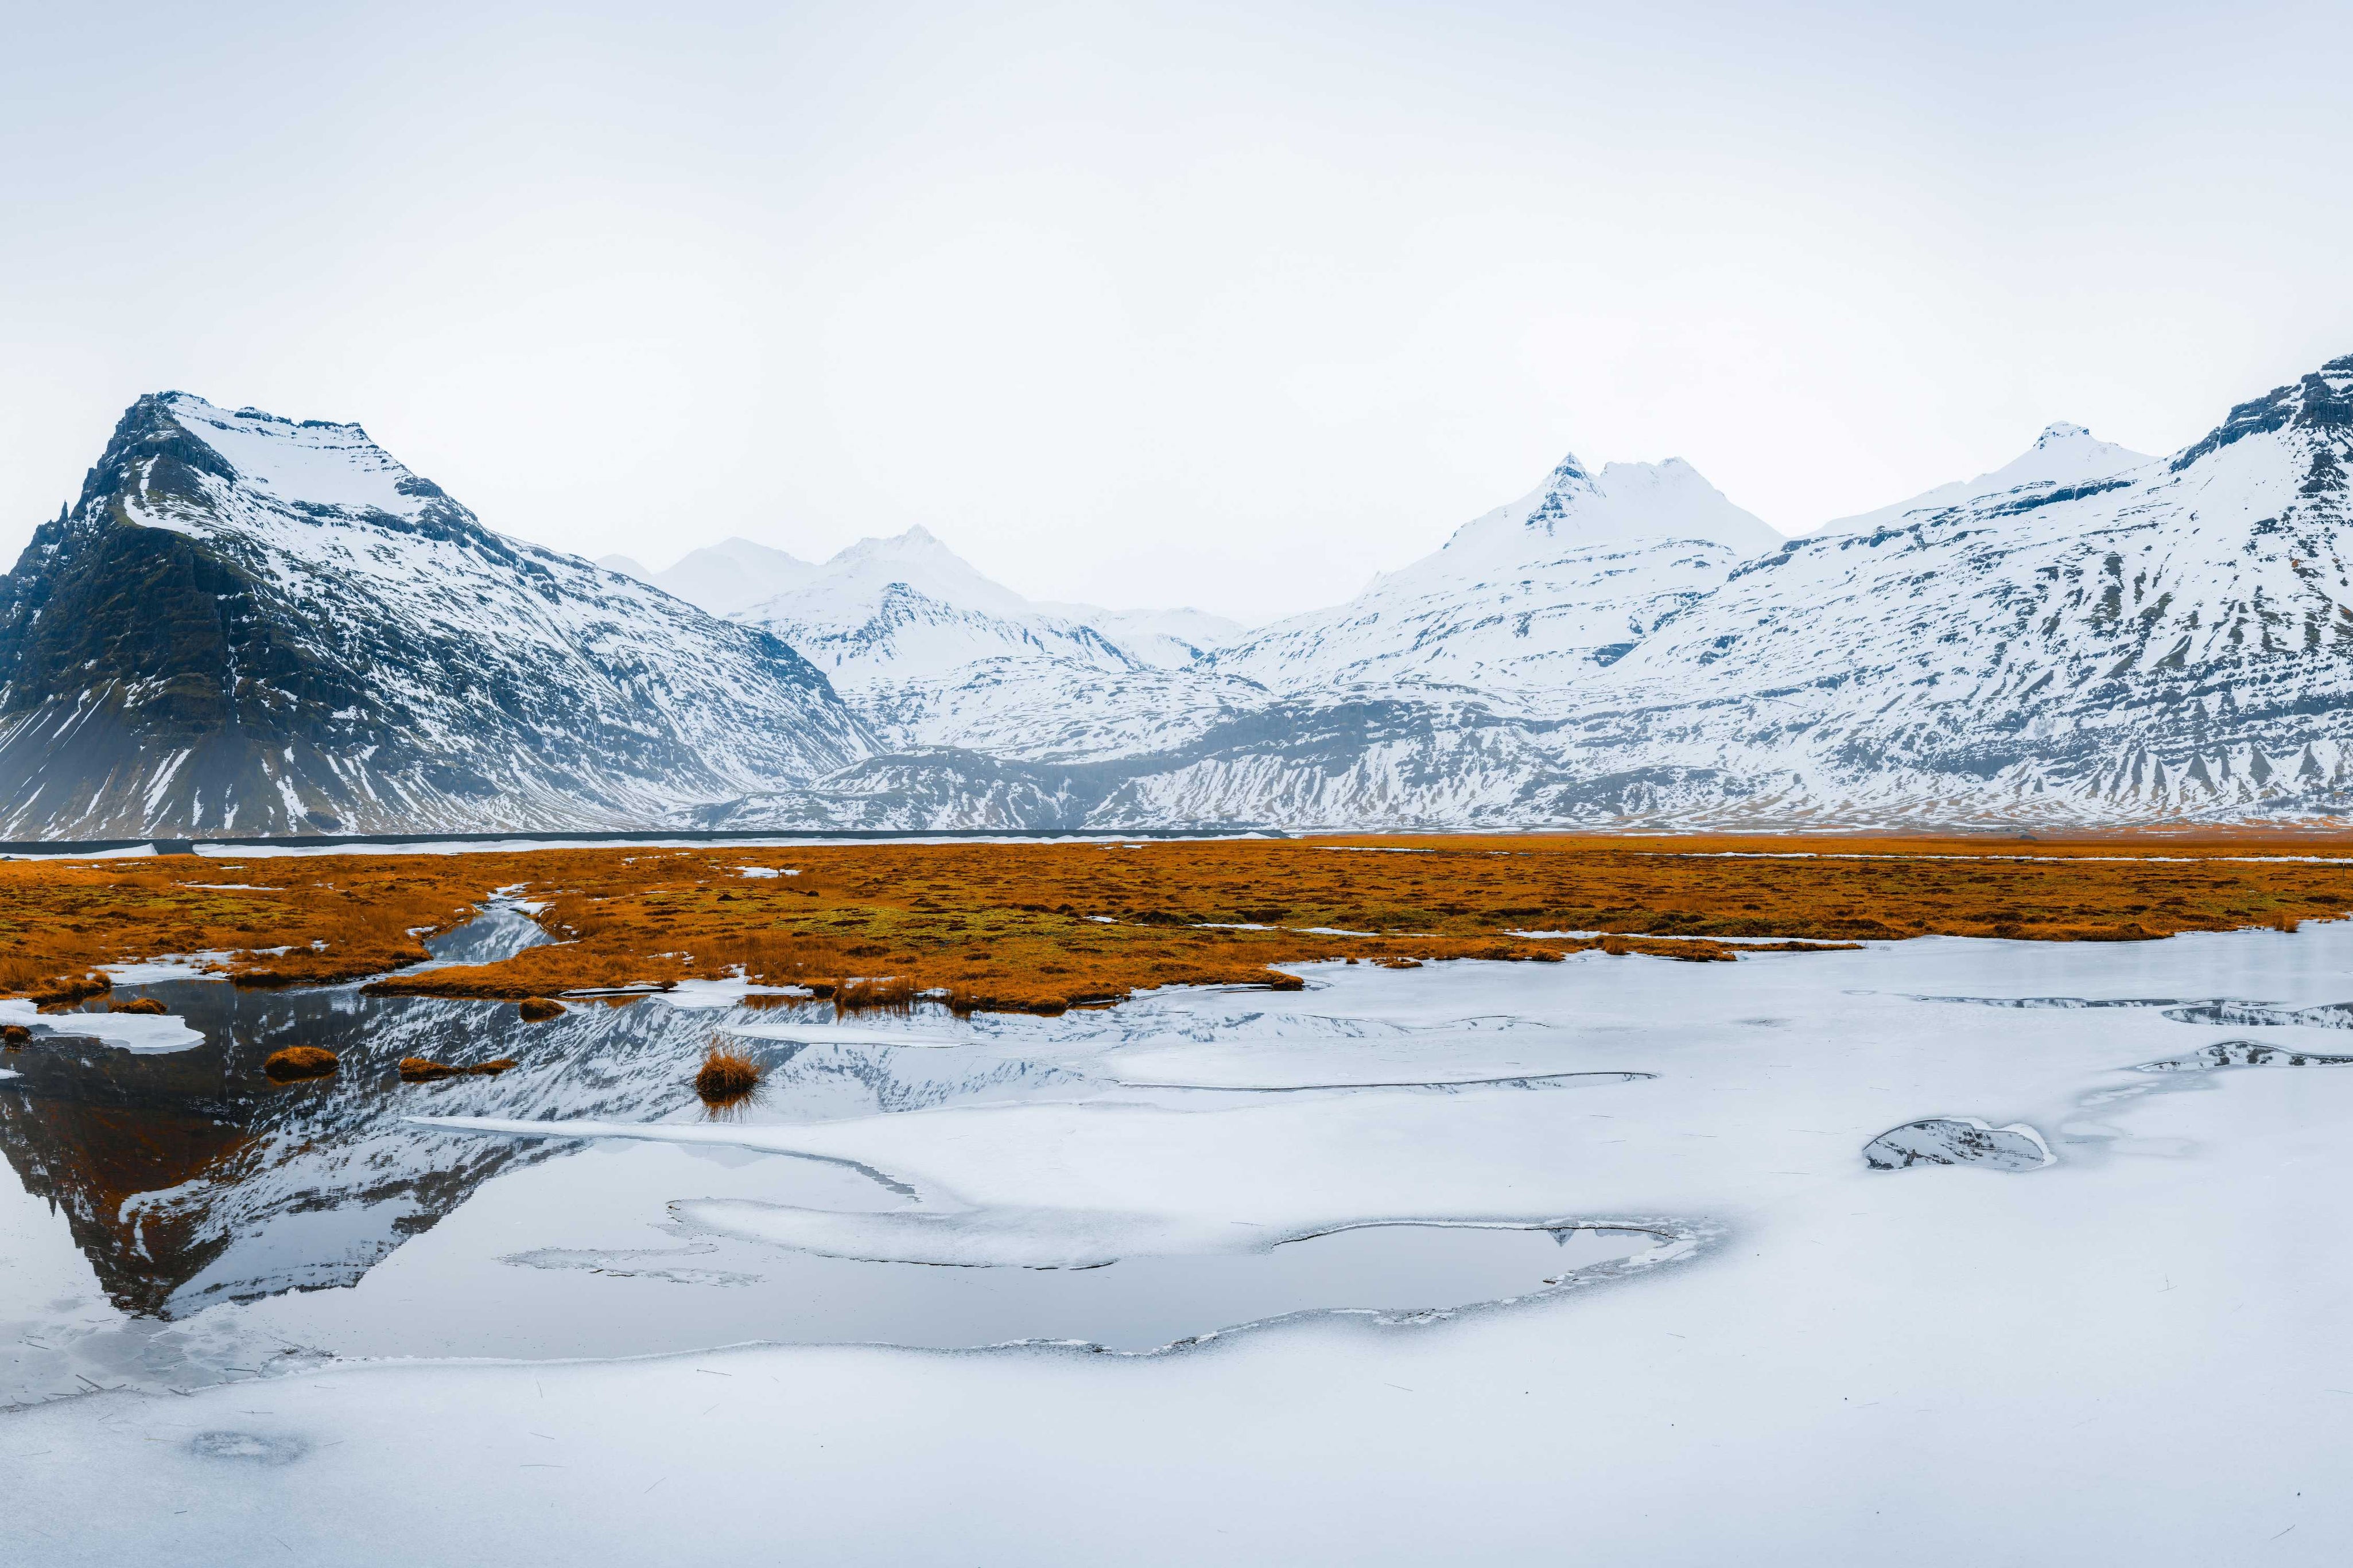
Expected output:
(2169, 636)
(721, 578)
(248, 624)
(931, 653)
(1165, 640)
(279, 618)
(1527, 604)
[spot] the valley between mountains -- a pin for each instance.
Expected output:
(250, 625)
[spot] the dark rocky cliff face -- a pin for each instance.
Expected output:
(318, 640)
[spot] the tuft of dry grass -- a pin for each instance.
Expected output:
(726, 1077)
(298, 1062)
(16, 1037)
(539, 1009)
(143, 1005)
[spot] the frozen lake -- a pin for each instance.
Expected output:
(1929, 1250)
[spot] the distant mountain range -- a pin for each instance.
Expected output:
(2086, 635)
(933, 654)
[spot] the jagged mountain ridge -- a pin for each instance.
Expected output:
(250, 625)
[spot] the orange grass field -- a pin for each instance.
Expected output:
(1040, 927)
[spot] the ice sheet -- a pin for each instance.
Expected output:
(2135, 1353)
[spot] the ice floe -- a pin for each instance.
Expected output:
(1958, 1140)
(129, 1031)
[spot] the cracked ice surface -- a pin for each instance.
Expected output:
(2135, 1355)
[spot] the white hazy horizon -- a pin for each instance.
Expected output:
(1211, 305)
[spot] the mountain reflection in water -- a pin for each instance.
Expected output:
(202, 1196)
(190, 1178)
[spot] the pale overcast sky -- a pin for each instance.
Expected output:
(1230, 305)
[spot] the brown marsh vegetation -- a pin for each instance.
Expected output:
(299, 1061)
(1041, 927)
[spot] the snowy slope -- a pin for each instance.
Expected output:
(1526, 604)
(252, 625)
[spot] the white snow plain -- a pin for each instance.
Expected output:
(2134, 1355)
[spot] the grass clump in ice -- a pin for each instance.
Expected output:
(539, 1009)
(727, 1077)
(146, 1005)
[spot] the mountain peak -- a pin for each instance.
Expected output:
(346, 645)
(316, 461)
(724, 577)
(2064, 455)
(1569, 474)
(1625, 501)
(917, 543)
